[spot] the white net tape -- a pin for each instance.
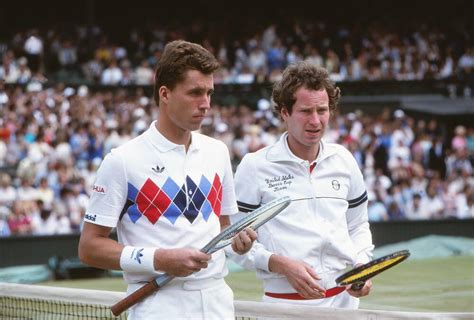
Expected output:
(39, 302)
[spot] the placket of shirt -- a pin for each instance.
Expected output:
(311, 180)
(187, 159)
(311, 171)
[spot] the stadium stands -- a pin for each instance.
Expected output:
(56, 124)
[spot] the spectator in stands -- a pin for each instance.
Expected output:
(112, 75)
(152, 242)
(8, 194)
(9, 71)
(4, 228)
(144, 74)
(67, 54)
(34, 48)
(20, 221)
(377, 211)
(45, 193)
(297, 264)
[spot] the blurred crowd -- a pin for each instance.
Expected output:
(52, 141)
(360, 51)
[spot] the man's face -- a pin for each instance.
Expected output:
(186, 105)
(309, 118)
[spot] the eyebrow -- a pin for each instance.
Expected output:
(201, 89)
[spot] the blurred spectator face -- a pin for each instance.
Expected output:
(5, 180)
(308, 119)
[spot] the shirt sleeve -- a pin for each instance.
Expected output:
(357, 215)
(109, 192)
(229, 204)
(248, 199)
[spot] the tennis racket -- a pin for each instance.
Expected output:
(254, 220)
(359, 275)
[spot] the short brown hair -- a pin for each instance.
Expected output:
(303, 74)
(178, 57)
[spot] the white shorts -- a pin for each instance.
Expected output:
(201, 300)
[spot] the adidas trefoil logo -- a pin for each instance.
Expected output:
(157, 169)
(137, 254)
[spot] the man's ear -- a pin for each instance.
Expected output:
(284, 113)
(163, 93)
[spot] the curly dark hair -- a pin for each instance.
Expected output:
(178, 57)
(303, 74)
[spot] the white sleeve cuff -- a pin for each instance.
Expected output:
(137, 260)
(262, 257)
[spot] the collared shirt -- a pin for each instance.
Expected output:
(159, 195)
(328, 228)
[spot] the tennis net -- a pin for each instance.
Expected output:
(19, 301)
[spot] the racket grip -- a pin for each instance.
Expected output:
(358, 285)
(134, 298)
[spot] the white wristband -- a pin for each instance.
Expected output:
(136, 259)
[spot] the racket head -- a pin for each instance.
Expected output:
(254, 220)
(369, 270)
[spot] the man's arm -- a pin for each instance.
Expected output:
(98, 250)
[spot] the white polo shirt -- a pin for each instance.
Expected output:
(159, 195)
(329, 232)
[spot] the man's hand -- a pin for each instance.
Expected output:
(299, 274)
(242, 241)
(364, 291)
(180, 262)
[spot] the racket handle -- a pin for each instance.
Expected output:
(134, 298)
(358, 285)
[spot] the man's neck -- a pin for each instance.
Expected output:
(303, 152)
(174, 134)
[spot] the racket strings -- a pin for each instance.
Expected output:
(374, 269)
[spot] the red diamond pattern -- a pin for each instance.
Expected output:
(152, 214)
(216, 192)
(162, 201)
(151, 201)
(146, 195)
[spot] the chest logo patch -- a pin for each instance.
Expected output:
(158, 169)
(278, 183)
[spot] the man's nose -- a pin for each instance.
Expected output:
(314, 118)
(205, 102)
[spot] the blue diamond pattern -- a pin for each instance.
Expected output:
(172, 213)
(206, 210)
(132, 192)
(170, 188)
(196, 200)
(134, 213)
(197, 197)
(205, 186)
(180, 199)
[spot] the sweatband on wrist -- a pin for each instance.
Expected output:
(136, 259)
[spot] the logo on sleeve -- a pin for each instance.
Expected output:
(336, 185)
(98, 189)
(90, 217)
